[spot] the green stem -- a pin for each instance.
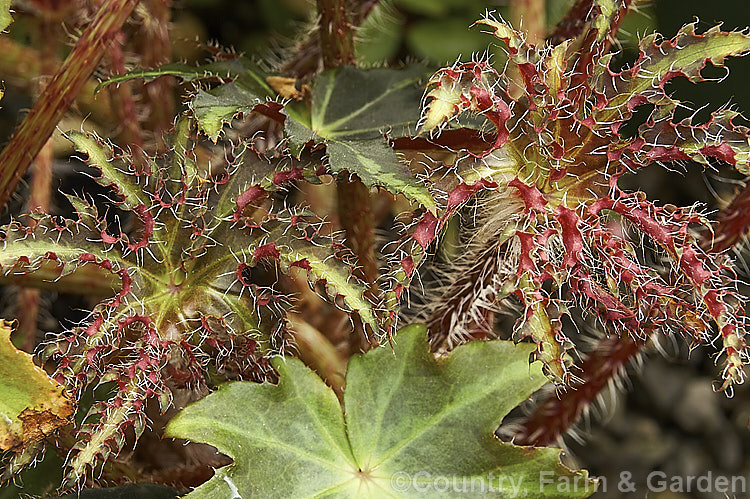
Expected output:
(59, 94)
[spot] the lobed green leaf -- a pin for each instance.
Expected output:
(411, 423)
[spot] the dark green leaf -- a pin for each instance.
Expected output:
(351, 111)
(376, 164)
(350, 103)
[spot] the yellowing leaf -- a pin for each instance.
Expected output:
(5, 17)
(32, 405)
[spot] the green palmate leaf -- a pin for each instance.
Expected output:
(412, 426)
(31, 404)
(351, 110)
(350, 103)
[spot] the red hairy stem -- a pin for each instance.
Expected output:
(459, 300)
(308, 56)
(124, 106)
(554, 416)
(41, 180)
(59, 94)
(354, 204)
(159, 94)
(41, 177)
(27, 314)
(356, 218)
(39, 196)
(336, 33)
(21, 64)
(732, 225)
(530, 16)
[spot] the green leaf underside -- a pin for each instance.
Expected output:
(351, 109)
(229, 69)
(214, 108)
(405, 413)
